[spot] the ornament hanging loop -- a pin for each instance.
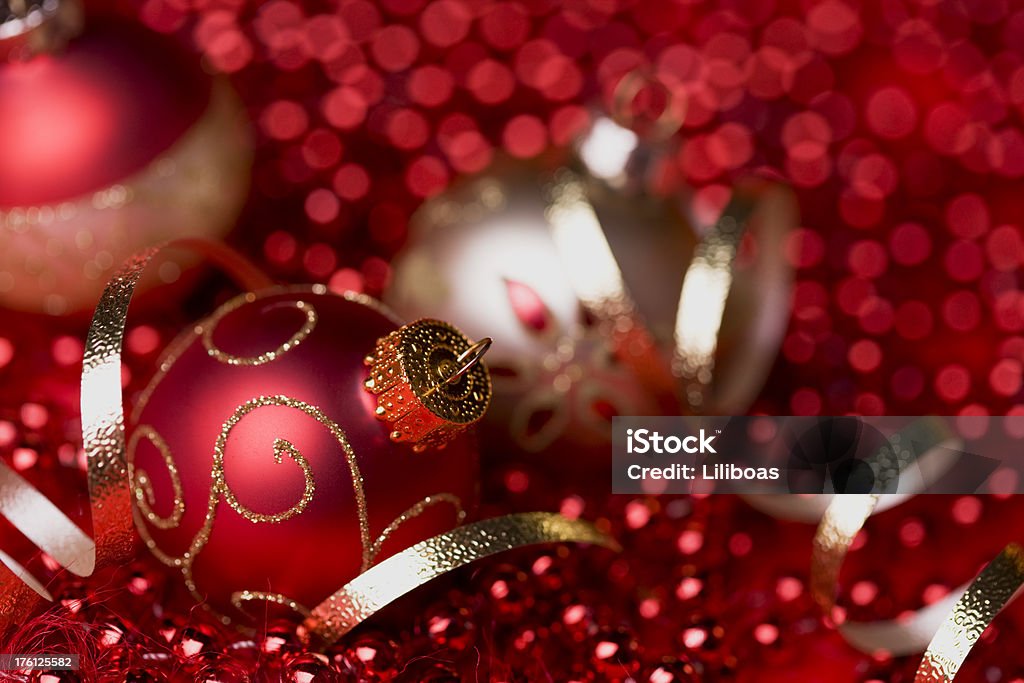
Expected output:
(466, 360)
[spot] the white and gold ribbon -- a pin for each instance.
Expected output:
(925, 442)
(595, 276)
(768, 210)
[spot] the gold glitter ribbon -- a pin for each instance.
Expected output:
(843, 520)
(994, 587)
(384, 583)
(103, 440)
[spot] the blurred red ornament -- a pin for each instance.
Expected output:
(113, 141)
(137, 675)
(223, 672)
(193, 641)
(615, 655)
(282, 375)
(509, 596)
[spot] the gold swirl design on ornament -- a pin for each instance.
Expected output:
(282, 447)
(239, 599)
(415, 511)
(143, 488)
(144, 496)
(268, 356)
(994, 587)
(103, 442)
(174, 351)
(168, 358)
(220, 490)
(184, 340)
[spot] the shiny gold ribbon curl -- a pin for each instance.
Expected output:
(920, 443)
(384, 583)
(689, 379)
(769, 211)
(946, 630)
(977, 607)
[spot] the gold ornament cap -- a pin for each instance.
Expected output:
(30, 27)
(429, 382)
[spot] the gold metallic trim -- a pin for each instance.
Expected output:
(994, 587)
(241, 597)
(103, 434)
(297, 338)
(415, 511)
(843, 520)
(143, 488)
(394, 577)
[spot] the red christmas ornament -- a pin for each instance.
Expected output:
(369, 459)
(111, 142)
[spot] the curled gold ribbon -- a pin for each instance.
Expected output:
(994, 587)
(846, 515)
(384, 583)
(103, 440)
(768, 208)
